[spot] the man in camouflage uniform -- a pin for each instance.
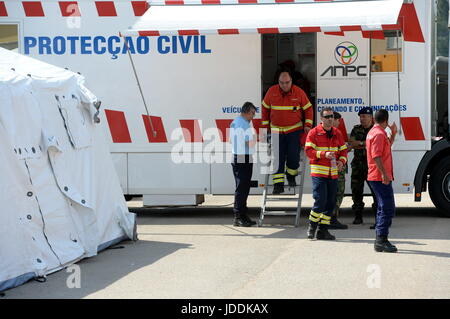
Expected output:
(334, 222)
(359, 163)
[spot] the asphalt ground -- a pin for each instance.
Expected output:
(197, 253)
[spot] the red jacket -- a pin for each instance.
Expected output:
(317, 144)
(284, 111)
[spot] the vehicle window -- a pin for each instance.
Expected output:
(9, 36)
(386, 54)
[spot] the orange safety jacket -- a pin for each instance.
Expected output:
(284, 111)
(317, 144)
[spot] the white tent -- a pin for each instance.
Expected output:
(60, 198)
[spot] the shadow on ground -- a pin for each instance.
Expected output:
(98, 272)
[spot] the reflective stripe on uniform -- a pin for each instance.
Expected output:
(320, 171)
(315, 217)
(311, 145)
(330, 149)
(308, 122)
(279, 129)
(343, 147)
(291, 171)
(264, 122)
(320, 167)
(306, 106)
(278, 178)
(265, 105)
(284, 107)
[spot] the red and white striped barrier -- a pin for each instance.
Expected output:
(192, 133)
(71, 8)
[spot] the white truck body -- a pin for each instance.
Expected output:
(199, 82)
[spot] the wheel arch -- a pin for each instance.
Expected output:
(439, 151)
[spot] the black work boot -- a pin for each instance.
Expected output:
(382, 244)
(323, 234)
(278, 188)
(291, 180)
(239, 221)
(311, 232)
(246, 218)
(335, 224)
(358, 218)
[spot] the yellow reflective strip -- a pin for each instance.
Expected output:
(318, 154)
(285, 128)
(308, 122)
(265, 105)
(265, 122)
(313, 213)
(322, 148)
(306, 106)
(314, 219)
(320, 166)
(291, 171)
(325, 217)
(319, 169)
(343, 158)
(311, 144)
(320, 172)
(343, 147)
(284, 107)
(325, 222)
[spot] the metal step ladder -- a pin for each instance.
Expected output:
(267, 197)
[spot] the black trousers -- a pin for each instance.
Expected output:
(242, 171)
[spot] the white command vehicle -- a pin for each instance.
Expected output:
(172, 76)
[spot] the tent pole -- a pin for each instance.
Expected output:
(140, 89)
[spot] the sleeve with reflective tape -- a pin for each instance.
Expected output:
(307, 110)
(265, 111)
(342, 148)
(311, 148)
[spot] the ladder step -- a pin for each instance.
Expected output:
(286, 193)
(280, 213)
(276, 209)
(270, 199)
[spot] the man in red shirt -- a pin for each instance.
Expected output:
(327, 153)
(380, 176)
(286, 111)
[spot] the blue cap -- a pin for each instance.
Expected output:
(366, 110)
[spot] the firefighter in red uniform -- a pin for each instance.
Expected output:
(282, 114)
(327, 153)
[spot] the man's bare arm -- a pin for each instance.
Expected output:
(385, 178)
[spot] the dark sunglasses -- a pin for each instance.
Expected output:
(328, 116)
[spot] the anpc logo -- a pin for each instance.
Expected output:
(346, 54)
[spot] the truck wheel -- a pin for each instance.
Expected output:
(439, 186)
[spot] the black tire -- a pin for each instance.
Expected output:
(439, 186)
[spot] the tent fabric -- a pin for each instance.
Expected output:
(266, 18)
(60, 196)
